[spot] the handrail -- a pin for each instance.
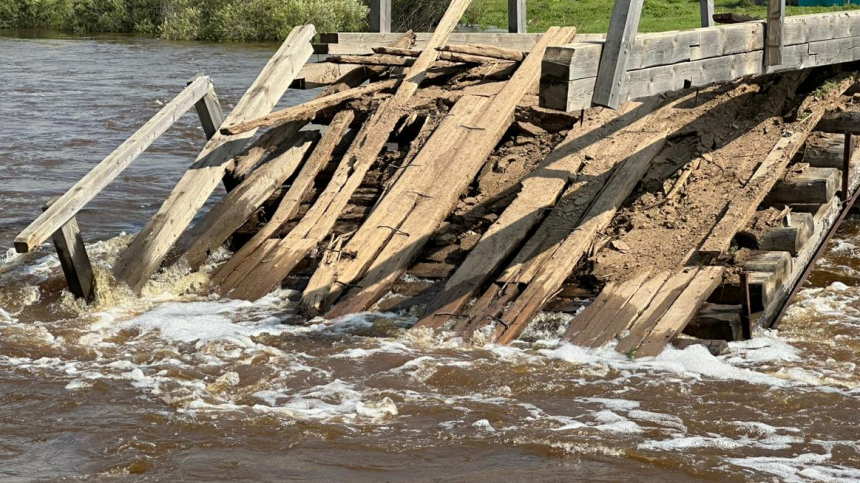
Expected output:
(65, 207)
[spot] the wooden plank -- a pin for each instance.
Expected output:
(570, 250)
(775, 42)
(308, 110)
(320, 74)
(363, 42)
(631, 310)
(446, 176)
(661, 302)
(387, 60)
(491, 51)
(359, 158)
(585, 334)
(840, 122)
(145, 253)
(706, 13)
(240, 203)
(65, 208)
(743, 207)
(289, 205)
(74, 259)
(681, 312)
(380, 16)
(209, 111)
(611, 76)
(396, 51)
(517, 16)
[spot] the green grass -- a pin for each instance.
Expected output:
(592, 16)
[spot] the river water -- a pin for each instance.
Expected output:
(177, 386)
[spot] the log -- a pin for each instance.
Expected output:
(379, 59)
(145, 253)
(74, 259)
(447, 175)
(397, 51)
(568, 252)
(490, 51)
(68, 205)
(250, 254)
(791, 238)
(824, 150)
(840, 122)
(681, 312)
(243, 201)
(743, 207)
(812, 185)
(611, 75)
(359, 158)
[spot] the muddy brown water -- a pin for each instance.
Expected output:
(177, 386)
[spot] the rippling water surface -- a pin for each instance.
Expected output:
(181, 386)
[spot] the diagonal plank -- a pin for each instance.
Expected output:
(616, 301)
(631, 310)
(144, 255)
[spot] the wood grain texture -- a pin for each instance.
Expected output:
(775, 42)
(611, 75)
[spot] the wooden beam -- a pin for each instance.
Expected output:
(611, 75)
(380, 16)
(240, 203)
(209, 111)
(146, 252)
(775, 42)
(74, 259)
(65, 208)
(706, 13)
(363, 42)
(387, 60)
(320, 74)
(517, 22)
(490, 51)
(840, 122)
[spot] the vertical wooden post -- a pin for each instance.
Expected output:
(517, 16)
(706, 11)
(846, 165)
(380, 16)
(612, 73)
(774, 41)
(209, 110)
(74, 259)
(746, 306)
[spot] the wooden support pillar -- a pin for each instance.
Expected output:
(611, 75)
(706, 12)
(517, 16)
(209, 110)
(746, 306)
(774, 41)
(74, 259)
(846, 165)
(380, 16)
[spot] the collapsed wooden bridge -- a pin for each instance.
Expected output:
(452, 183)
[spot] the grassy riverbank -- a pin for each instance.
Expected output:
(237, 20)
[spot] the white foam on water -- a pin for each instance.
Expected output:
(801, 468)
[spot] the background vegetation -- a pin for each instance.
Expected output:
(236, 20)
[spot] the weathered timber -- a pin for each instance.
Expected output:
(209, 111)
(539, 190)
(490, 51)
(65, 207)
(790, 238)
(362, 153)
(611, 75)
(663, 299)
(840, 122)
(775, 41)
(397, 51)
(825, 150)
(742, 208)
(320, 74)
(240, 203)
(377, 59)
(144, 255)
(308, 110)
(631, 310)
(380, 16)
(74, 259)
(468, 58)
(250, 253)
(568, 252)
(812, 185)
(584, 332)
(682, 311)
(449, 175)
(732, 17)
(517, 16)
(706, 13)
(363, 42)
(716, 322)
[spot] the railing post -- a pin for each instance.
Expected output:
(517, 16)
(380, 16)
(774, 32)
(846, 164)
(706, 11)
(74, 259)
(209, 110)
(612, 72)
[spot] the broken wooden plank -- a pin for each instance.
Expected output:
(397, 51)
(775, 41)
(377, 59)
(743, 207)
(225, 275)
(240, 203)
(209, 111)
(681, 312)
(611, 75)
(585, 333)
(631, 310)
(361, 155)
(570, 250)
(144, 255)
(320, 74)
(65, 208)
(490, 51)
(440, 183)
(74, 259)
(840, 122)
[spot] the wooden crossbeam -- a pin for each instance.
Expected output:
(64, 208)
